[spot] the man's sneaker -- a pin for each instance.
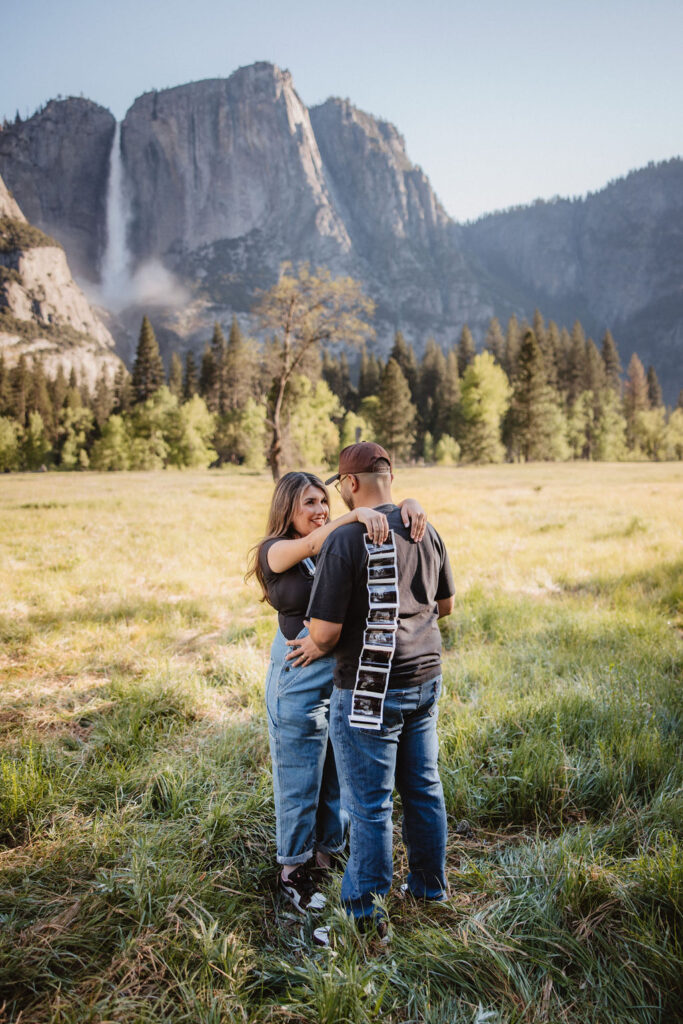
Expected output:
(405, 893)
(301, 890)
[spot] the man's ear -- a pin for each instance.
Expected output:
(355, 484)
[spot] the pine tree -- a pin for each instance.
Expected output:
(448, 400)
(404, 354)
(432, 378)
(654, 391)
(551, 354)
(576, 363)
(348, 394)
(594, 370)
(148, 369)
(84, 388)
(612, 363)
(39, 399)
(513, 340)
(331, 372)
(58, 388)
(679, 403)
(540, 332)
(103, 399)
(370, 375)
(20, 385)
(534, 411)
(123, 398)
(208, 379)
(240, 369)
(466, 350)
(636, 398)
(494, 342)
(217, 401)
(190, 380)
(175, 376)
(5, 389)
(396, 413)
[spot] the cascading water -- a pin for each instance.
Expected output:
(151, 284)
(115, 273)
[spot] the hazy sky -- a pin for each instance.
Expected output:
(499, 102)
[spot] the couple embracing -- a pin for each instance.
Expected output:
(353, 684)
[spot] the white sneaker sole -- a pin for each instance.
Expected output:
(317, 901)
(321, 936)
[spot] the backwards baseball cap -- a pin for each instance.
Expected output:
(362, 457)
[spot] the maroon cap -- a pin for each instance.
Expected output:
(362, 457)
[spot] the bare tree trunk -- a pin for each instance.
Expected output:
(275, 450)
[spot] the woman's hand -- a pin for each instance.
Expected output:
(303, 650)
(414, 515)
(376, 524)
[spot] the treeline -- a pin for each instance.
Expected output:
(534, 392)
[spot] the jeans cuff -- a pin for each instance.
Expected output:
(291, 861)
(324, 848)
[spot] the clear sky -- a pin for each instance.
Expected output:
(499, 102)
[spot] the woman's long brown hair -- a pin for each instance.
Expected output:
(284, 505)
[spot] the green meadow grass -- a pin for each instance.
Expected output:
(136, 818)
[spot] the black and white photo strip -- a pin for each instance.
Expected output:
(379, 638)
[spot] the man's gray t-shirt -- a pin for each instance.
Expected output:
(340, 594)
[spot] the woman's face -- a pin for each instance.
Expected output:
(313, 511)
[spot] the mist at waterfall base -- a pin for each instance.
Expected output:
(151, 284)
(121, 287)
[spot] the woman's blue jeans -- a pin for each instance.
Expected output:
(308, 814)
(404, 753)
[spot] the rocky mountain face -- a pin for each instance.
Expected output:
(613, 259)
(57, 165)
(404, 244)
(43, 312)
(222, 159)
(224, 179)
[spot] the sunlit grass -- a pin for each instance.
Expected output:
(136, 819)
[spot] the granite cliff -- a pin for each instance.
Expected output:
(43, 312)
(57, 165)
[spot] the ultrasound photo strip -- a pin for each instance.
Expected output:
(379, 638)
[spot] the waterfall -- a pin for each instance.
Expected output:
(115, 270)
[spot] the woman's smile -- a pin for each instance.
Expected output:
(313, 511)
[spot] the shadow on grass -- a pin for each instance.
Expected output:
(102, 615)
(661, 586)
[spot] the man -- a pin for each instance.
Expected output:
(377, 608)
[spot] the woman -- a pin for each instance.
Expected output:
(309, 818)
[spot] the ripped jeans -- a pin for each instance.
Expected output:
(305, 784)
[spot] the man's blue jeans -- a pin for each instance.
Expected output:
(370, 762)
(308, 814)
